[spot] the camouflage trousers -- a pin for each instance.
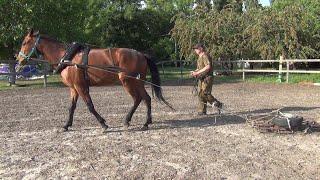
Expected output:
(204, 93)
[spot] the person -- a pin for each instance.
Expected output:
(204, 75)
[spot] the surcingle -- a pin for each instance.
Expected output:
(72, 50)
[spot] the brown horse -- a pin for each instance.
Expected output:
(129, 60)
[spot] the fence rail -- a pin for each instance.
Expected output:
(12, 75)
(280, 70)
(242, 69)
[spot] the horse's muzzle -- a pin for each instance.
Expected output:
(20, 66)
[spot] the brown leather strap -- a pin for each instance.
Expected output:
(113, 64)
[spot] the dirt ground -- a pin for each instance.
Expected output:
(179, 145)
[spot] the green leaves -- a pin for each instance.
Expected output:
(257, 32)
(62, 19)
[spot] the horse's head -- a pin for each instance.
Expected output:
(28, 48)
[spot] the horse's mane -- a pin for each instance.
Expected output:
(51, 39)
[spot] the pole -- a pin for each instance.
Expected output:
(243, 72)
(46, 69)
(288, 67)
(280, 70)
(12, 77)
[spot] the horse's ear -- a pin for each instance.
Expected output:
(36, 33)
(30, 32)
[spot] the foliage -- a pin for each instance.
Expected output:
(12, 15)
(218, 30)
(61, 19)
(253, 33)
(228, 29)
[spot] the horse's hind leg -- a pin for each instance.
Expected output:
(136, 102)
(131, 89)
(84, 93)
(147, 100)
(74, 99)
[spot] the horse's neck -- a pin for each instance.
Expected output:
(52, 51)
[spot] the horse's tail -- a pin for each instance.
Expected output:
(156, 82)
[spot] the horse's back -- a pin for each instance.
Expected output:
(122, 57)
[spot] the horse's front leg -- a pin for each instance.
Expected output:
(74, 98)
(84, 93)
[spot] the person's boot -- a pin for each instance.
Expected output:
(202, 109)
(218, 105)
(201, 113)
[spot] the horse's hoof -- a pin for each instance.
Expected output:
(104, 126)
(126, 125)
(65, 129)
(105, 131)
(144, 128)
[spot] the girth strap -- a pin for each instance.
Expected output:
(71, 51)
(113, 64)
(85, 59)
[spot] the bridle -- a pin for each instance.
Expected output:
(33, 50)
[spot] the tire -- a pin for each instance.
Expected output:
(283, 122)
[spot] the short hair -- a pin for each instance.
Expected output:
(198, 45)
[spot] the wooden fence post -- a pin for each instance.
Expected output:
(243, 72)
(12, 77)
(280, 70)
(181, 68)
(162, 69)
(46, 69)
(288, 68)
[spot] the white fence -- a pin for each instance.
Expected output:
(280, 69)
(12, 74)
(241, 66)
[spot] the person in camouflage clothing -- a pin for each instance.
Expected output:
(204, 75)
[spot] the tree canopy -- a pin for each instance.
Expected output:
(287, 28)
(230, 29)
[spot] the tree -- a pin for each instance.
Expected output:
(13, 16)
(309, 34)
(220, 31)
(252, 4)
(62, 19)
(258, 32)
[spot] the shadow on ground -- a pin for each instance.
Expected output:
(213, 119)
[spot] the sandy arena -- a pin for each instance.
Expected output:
(178, 145)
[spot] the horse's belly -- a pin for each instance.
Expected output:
(103, 80)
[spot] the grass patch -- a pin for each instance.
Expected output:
(174, 73)
(52, 81)
(171, 73)
(293, 78)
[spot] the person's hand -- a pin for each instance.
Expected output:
(194, 73)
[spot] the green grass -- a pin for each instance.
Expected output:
(173, 73)
(52, 81)
(293, 78)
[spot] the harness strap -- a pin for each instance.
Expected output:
(85, 59)
(71, 51)
(113, 64)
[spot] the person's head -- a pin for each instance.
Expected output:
(199, 48)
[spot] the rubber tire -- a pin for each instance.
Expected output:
(282, 122)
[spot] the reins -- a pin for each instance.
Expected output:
(109, 69)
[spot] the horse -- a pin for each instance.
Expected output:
(80, 79)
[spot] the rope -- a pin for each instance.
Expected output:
(245, 116)
(109, 69)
